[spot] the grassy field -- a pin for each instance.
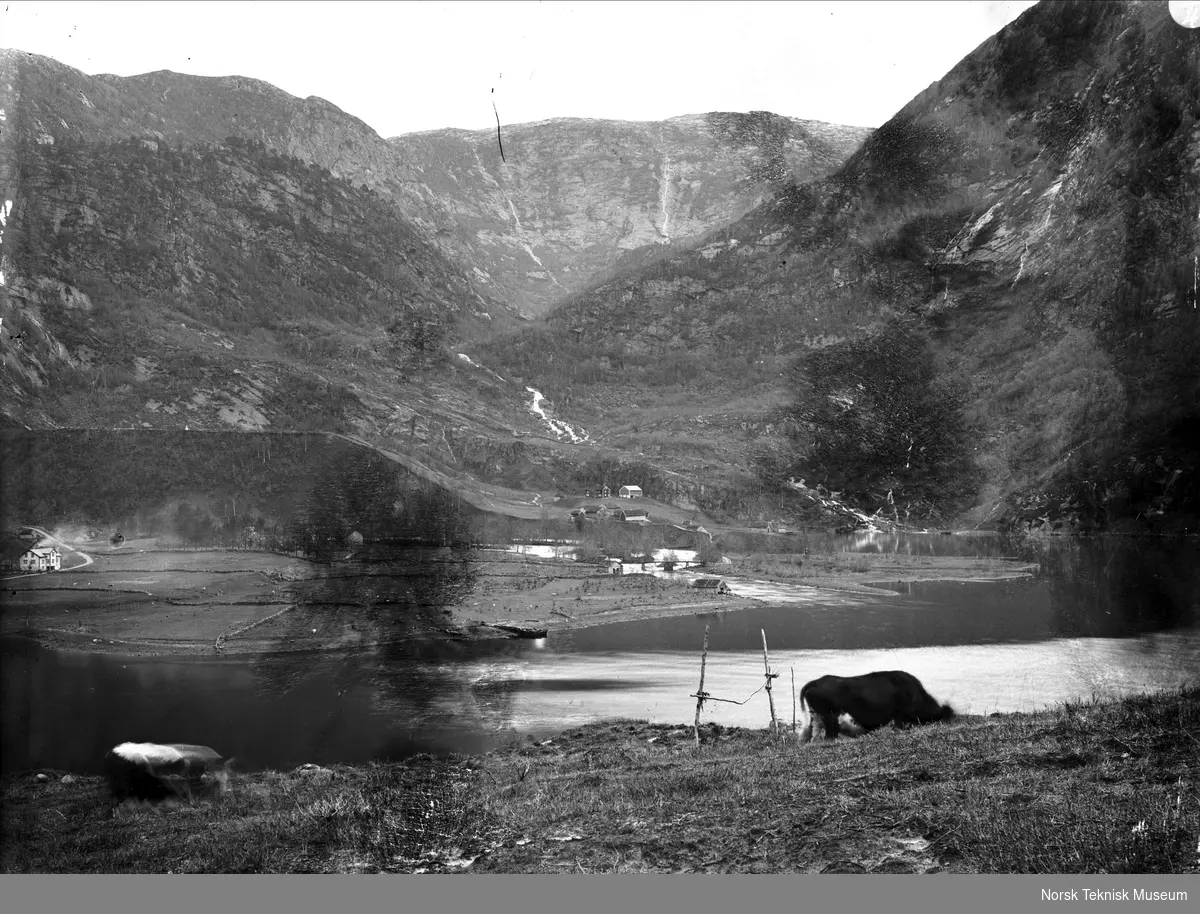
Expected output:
(152, 602)
(243, 602)
(1094, 787)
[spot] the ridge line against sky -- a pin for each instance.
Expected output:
(404, 66)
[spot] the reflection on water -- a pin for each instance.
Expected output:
(968, 543)
(1103, 617)
(976, 679)
(66, 709)
(986, 545)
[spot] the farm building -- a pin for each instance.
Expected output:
(630, 492)
(693, 527)
(634, 515)
(714, 584)
(43, 558)
(19, 557)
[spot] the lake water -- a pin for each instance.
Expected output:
(1102, 617)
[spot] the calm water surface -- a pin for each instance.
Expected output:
(1105, 617)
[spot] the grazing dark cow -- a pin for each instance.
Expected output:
(142, 771)
(872, 700)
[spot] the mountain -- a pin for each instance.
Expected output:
(1004, 275)
(567, 188)
(185, 252)
(159, 272)
(986, 315)
(544, 208)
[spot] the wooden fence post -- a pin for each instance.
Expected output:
(770, 676)
(793, 701)
(700, 691)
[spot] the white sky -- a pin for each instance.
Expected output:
(409, 66)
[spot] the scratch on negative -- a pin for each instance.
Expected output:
(498, 140)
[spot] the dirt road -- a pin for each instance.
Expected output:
(83, 558)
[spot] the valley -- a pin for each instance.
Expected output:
(487, 493)
(694, 294)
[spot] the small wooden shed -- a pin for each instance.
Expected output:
(715, 585)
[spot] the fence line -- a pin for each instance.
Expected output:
(293, 553)
(219, 644)
(702, 696)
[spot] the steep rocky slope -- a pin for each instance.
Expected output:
(209, 284)
(213, 253)
(568, 186)
(561, 200)
(49, 104)
(987, 315)
(1027, 226)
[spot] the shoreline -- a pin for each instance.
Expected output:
(554, 595)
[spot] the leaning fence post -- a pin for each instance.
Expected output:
(770, 676)
(700, 694)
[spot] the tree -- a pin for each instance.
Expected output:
(877, 419)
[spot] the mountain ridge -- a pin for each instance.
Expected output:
(970, 217)
(192, 233)
(1017, 243)
(198, 110)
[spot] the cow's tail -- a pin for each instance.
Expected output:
(805, 733)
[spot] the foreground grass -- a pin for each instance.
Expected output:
(1089, 788)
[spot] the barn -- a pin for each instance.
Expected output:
(716, 585)
(634, 515)
(630, 492)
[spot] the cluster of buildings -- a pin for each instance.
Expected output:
(623, 492)
(600, 512)
(23, 554)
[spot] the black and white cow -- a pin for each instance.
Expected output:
(871, 700)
